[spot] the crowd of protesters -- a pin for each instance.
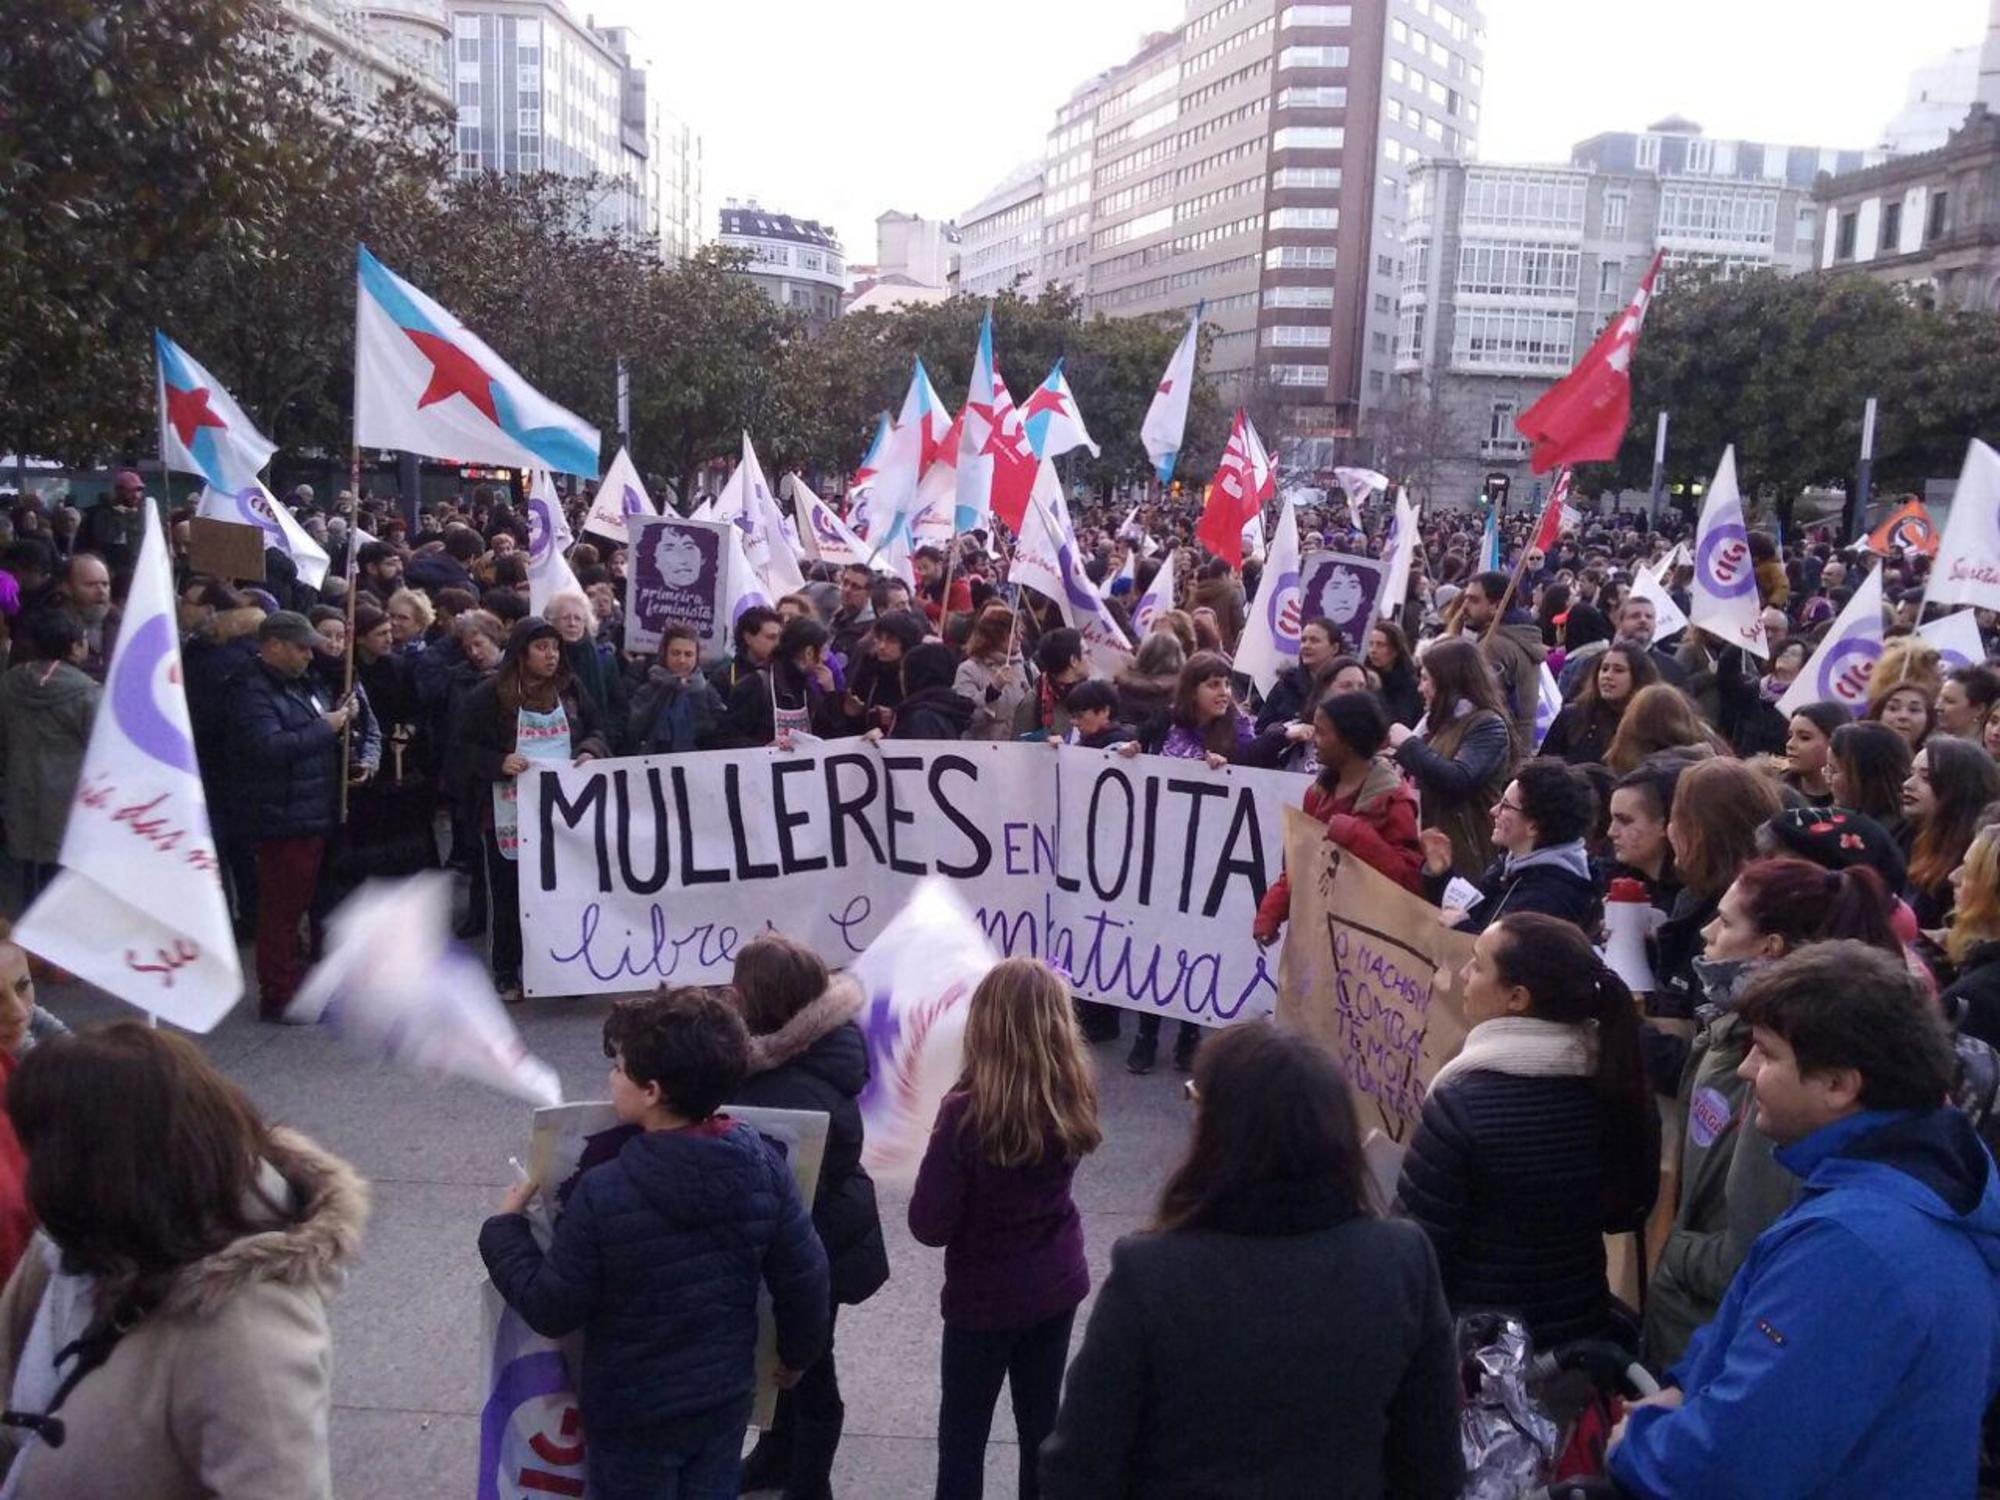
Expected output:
(1792, 1116)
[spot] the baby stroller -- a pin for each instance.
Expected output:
(1536, 1425)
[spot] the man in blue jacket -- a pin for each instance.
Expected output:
(659, 1256)
(1860, 1341)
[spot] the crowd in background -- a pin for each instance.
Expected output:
(1815, 1049)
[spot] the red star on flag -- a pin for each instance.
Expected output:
(188, 412)
(1166, 385)
(1044, 399)
(453, 373)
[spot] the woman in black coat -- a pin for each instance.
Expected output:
(1539, 1138)
(807, 1052)
(1264, 1261)
(1539, 826)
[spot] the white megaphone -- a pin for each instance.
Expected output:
(1629, 918)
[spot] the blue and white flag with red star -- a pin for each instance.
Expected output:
(137, 908)
(425, 383)
(202, 430)
(1166, 418)
(1053, 422)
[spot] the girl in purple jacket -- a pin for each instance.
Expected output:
(994, 1191)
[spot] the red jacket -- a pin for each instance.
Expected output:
(1378, 824)
(961, 599)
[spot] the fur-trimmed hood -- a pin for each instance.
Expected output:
(227, 625)
(331, 1200)
(842, 1002)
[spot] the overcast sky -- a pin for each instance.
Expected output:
(840, 109)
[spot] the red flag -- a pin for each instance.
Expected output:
(1550, 531)
(1231, 500)
(1582, 418)
(1908, 529)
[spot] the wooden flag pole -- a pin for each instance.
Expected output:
(347, 668)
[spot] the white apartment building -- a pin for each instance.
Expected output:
(1000, 237)
(1510, 272)
(797, 263)
(376, 44)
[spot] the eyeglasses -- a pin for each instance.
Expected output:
(1512, 807)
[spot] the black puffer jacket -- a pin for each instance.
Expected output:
(284, 757)
(658, 1258)
(1972, 1003)
(819, 1060)
(1506, 1174)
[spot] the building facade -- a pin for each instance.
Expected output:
(797, 263)
(915, 251)
(1253, 160)
(1510, 272)
(1000, 237)
(378, 44)
(538, 91)
(1940, 93)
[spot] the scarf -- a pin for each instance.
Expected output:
(1523, 1047)
(1770, 690)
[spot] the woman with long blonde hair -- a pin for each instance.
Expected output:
(994, 1192)
(1972, 942)
(1659, 717)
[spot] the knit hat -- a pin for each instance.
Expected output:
(1834, 838)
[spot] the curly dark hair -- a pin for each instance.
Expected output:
(1556, 799)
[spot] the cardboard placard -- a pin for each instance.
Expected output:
(226, 550)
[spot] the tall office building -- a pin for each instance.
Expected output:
(1510, 271)
(1000, 237)
(539, 91)
(1253, 159)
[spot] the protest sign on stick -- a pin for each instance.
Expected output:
(1369, 970)
(678, 570)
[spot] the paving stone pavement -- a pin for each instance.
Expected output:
(407, 1386)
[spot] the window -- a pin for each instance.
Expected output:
(1297, 336)
(1393, 150)
(1518, 199)
(1500, 420)
(1399, 31)
(1320, 96)
(1614, 212)
(1305, 177)
(1298, 296)
(1610, 278)
(1511, 270)
(1317, 15)
(1934, 226)
(1701, 157)
(1843, 241)
(1891, 240)
(1397, 73)
(1802, 230)
(1382, 302)
(1377, 342)
(1648, 157)
(1298, 374)
(1308, 138)
(1385, 265)
(1305, 218)
(1299, 258)
(1312, 57)
(468, 116)
(1434, 129)
(1377, 381)
(468, 46)
(1416, 265)
(1718, 213)
(1410, 333)
(1510, 339)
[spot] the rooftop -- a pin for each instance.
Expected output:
(753, 221)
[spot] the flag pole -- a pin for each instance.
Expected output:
(1507, 597)
(347, 666)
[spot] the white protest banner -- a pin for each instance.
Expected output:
(1839, 670)
(1138, 877)
(1270, 641)
(137, 908)
(394, 983)
(918, 977)
(1725, 602)
(1966, 569)
(620, 496)
(1957, 638)
(678, 574)
(1369, 970)
(254, 505)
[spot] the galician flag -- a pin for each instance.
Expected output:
(425, 383)
(549, 541)
(1053, 420)
(1724, 596)
(1166, 418)
(1158, 598)
(915, 441)
(137, 908)
(823, 535)
(1489, 542)
(1839, 670)
(251, 504)
(862, 485)
(1966, 568)
(996, 463)
(202, 429)
(1270, 640)
(621, 494)
(747, 504)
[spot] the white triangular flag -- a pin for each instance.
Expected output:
(1046, 560)
(1838, 671)
(1966, 569)
(1402, 554)
(137, 908)
(744, 585)
(746, 503)
(1957, 638)
(254, 505)
(1668, 621)
(1725, 575)
(1270, 640)
(1158, 598)
(394, 984)
(1548, 703)
(621, 494)
(549, 540)
(1127, 570)
(823, 535)
(1166, 418)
